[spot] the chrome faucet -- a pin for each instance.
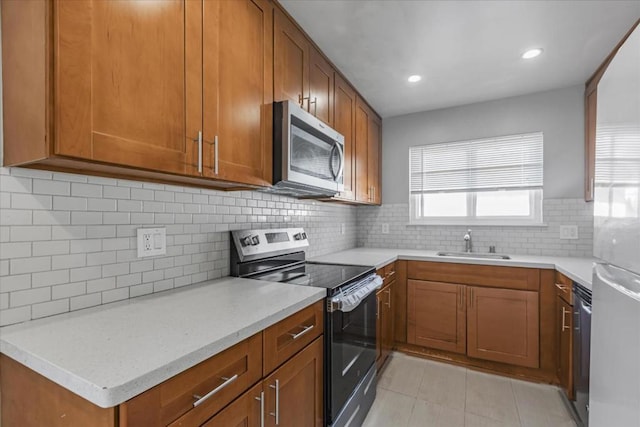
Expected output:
(468, 244)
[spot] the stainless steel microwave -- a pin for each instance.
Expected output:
(308, 155)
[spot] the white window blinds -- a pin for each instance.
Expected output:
(618, 154)
(505, 162)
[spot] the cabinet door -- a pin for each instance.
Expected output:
(565, 346)
(321, 75)
(344, 110)
(291, 61)
(387, 322)
(503, 326)
(436, 315)
(362, 190)
(379, 314)
(294, 392)
(245, 411)
(120, 83)
(374, 158)
(238, 90)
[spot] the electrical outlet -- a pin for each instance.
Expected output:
(152, 241)
(385, 228)
(569, 232)
(343, 228)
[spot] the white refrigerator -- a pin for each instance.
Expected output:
(614, 384)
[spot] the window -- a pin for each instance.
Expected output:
(493, 181)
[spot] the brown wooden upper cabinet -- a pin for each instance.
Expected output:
(119, 84)
(367, 154)
(302, 74)
(237, 90)
(132, 83)
(344, 109)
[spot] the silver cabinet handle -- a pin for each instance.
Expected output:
(561, 287)
(261, 400)
(564, 313)
(226, 382)
(276, 415)
(215, 154)
(199, 151)
(388, 303)
(305, 329)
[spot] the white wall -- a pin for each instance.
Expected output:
(558, 114)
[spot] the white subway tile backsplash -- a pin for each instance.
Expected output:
(15, 315)
(29, 296)
(16, 282)
(52, 247)
(99, 285)
(86, 190)
(29, 265)
(31, 201)
(16, 250)
(51, 218)
(68, 290)
(85, 301)
(50, 308)
(81, 230)
(68, 261)
(30, 233)
(516, 240)
(69, 203)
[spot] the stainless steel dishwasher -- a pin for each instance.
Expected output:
(582, 350)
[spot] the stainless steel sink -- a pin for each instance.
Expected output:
(474, 255)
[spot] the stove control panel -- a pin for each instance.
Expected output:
(252, 244)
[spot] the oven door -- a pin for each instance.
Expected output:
(351, 351)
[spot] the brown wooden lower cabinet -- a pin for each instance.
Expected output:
(436, 315)
(503, 326)
(228, 386)
(384, 323)
(294, 392)
(245, 411)
(565, 346)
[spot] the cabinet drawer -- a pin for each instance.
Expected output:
(289, 336)
(564, 288)
(469, 274)
(222, 377)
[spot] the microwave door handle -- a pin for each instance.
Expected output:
(341, 152)
(333, 174)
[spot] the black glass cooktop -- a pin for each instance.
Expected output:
(329, 276)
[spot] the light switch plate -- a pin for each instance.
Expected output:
(152, 241)
(385, 228)
(343, 228)
(568, 232)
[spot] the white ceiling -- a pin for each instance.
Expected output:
(466, 51)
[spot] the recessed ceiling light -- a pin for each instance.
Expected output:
(415, 78)
(532, 53)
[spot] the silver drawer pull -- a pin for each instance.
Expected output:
(304, 331)
(261, 400)
(561, 287)
(226, 382)
(276, 414)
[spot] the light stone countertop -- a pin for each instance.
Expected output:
(577, 269)
(111, 353)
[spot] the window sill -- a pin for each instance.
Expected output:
(476, 223)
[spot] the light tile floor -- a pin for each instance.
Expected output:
(415, 392)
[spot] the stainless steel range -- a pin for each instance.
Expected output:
(277, 255)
